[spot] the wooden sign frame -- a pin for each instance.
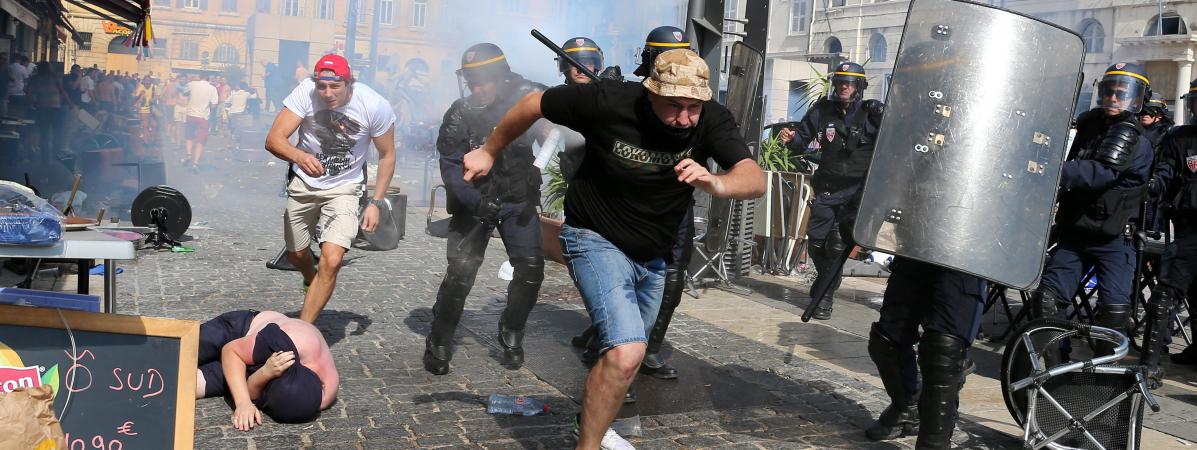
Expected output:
(187, 331)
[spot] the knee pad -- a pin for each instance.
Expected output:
(1045, 303)
(528, 269)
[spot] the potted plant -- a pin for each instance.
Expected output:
(552, 211)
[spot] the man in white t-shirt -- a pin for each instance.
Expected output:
(202, 96)
(337, 120)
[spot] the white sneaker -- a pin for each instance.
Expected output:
(613, 441)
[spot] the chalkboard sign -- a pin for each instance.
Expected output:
(124, 383)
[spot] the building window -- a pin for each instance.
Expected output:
(189, 50)
(226, 54)
(228, 5)
(515, 6)
(324, 9)
(361, 13)
(419, 13)
(837, 3)
(832, 45)
(1171, 22)
(85, 40)
(386, 12)
(159, 48)
(264, 6)
(877, 47)
(1094, 36)
(161, 2)
(192, 4)
(293, 8)
(729, 12)
(798, 11)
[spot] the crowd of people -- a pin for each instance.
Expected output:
(634, 152)
(170, 106)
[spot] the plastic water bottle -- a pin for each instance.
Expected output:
(515, 405)
(548, 149)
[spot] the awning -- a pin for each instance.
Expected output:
(123, 12)
(19, 12)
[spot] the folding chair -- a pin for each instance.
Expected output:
(1085, 404)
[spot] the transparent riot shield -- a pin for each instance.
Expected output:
(969, 154)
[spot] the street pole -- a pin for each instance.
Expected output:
(372, 69)
(351, 30)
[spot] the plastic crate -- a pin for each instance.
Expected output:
(47, 299)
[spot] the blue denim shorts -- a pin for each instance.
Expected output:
(621, 295)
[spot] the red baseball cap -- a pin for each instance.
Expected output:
(336, 63)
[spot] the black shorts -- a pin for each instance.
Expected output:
(214, 334)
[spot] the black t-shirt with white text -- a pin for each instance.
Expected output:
(626, 189)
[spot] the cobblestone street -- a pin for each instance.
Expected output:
(752, 375)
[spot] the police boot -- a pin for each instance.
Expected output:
(941, 360)
(1044, 303)
(901, 417)
(1159, 308)
(446, 313)
(1117, 317)
(521, 297)
(825, 254)
(654, 364)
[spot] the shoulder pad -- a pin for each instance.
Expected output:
(1118, 145)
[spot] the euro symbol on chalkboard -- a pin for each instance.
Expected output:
(126, 429)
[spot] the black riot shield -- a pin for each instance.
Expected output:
(969, 154)
(743, 98)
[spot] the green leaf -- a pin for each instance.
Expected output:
(50, 378)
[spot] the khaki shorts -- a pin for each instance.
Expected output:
(335, 210)
(180, 114)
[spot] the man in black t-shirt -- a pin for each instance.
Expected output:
(645, 148)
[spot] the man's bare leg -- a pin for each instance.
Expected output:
(323, 282)
(188, 144)
(606, 385)
(304, 262)
(199, 148)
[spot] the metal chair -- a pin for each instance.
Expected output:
(1086, 404)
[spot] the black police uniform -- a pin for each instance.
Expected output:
(506, 199)
(947, 305)
(1176, 179)
(1103, 184)
(846, 140)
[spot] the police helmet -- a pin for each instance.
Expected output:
(1155, 106)
(660, 40)
(583, 50)
(1124, 86)
(484, 62)
(847, 73)
(1191, 98)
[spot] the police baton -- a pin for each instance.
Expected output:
(565, 57)
(819, 291)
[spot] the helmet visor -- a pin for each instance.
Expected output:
(590, 59)
(845, 88)
(1191, 102)
(1122, 92)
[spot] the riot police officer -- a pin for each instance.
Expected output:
(659, 40)
(1103, 183)
(844, 128)
(947, 305)
(1175, 178)
(1154, 119)
(506, 199)
(586, 52)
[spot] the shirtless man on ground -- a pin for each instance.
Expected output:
(251, 356)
